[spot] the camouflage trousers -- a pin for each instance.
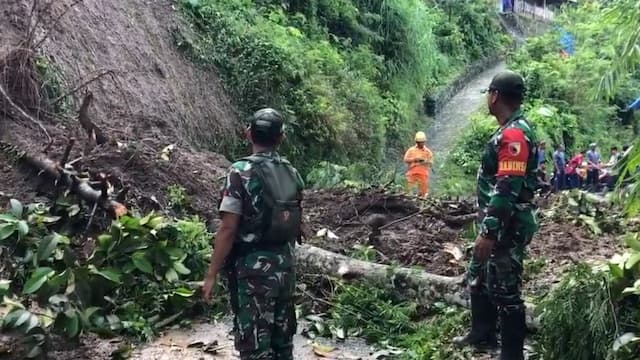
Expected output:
(500, 277)
(264, 315)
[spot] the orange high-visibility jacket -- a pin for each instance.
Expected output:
(418, 160)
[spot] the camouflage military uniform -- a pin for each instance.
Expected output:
(261, 280)
(506, 181)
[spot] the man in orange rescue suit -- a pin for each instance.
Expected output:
(418, 159)
(506, 223)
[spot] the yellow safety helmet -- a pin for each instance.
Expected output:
(421, 137)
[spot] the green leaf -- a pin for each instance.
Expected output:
(46, 247)
(73, 210)
(616, 271)
(171, 275)
(87, 314)
(69, 257)
(632, 261)
(104, 241)
(184, 292)
(11, 318)
(32, 323)
(156, 222)
(631, 240)
(15, 208)
(181, 269)
(7, 230)
(139, 259)
(175, 253)
(72, 325)
(4, 285)
(8, 218)
(38, 278)
(146, 219)
(110, 274)
(34, 352)
(23, 318)
(23, 227)
(50, 219)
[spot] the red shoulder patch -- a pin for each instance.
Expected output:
(513, 153)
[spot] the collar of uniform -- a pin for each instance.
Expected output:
(516, 115)
(267, 153)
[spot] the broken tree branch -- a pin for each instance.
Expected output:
(79, 186)
(399, 220)
(24, 113)
(82, 86)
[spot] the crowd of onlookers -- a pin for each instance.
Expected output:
(585, 169)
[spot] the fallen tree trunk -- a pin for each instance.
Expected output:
(79, 186)
(427, 285)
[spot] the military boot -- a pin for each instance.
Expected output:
(513, 331)
(483, 324)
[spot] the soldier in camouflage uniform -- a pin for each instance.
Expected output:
(257, 251)
(506, 223)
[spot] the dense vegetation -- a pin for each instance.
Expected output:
(565, 100)
(134, 280)
(350, 74)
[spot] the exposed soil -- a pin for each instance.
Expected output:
(428, 242)
(158, 99)
(155, 98)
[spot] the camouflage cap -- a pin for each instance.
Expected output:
(267, 121)
(508, 82)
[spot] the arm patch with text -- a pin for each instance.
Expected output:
(513, 153)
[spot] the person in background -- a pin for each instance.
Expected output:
(559, 163)
(615, 156)
(543, 183)
(571, 170)
(418, 159)
(541, 149)
(593, 168)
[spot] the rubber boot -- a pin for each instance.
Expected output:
(483, 324)
(513, 331)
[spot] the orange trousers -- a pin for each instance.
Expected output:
(421, 181)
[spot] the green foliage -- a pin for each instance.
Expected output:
(392, 321)
(375, 312)
(52, 88)
(564, 102)
(350, 74)
(585, 315)
(533, 267)
(133, 281)
(177, 197)
(356, 176)
(364, 253)
(469, 147)
(432, 339)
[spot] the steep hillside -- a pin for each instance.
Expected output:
(146, 96)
